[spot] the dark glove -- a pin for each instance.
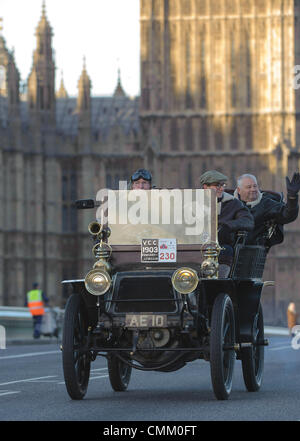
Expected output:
(293, 186)
(225, 235)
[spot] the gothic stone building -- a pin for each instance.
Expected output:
(216, 93)
(53, 150)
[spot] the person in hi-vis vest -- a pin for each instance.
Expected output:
(35, 300)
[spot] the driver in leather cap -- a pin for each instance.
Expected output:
(141, 180)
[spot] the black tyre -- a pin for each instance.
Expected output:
(76, 363)
(253, 357)
(119, 373)
(222, 338)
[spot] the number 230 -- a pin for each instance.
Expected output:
(167, 256)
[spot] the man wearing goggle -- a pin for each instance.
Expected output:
(141, 180)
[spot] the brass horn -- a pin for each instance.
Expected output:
(95, 228)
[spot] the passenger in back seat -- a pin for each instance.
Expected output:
(265, 208)
(232, 217)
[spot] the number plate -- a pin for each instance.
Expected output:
(145, 321)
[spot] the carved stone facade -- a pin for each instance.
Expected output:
(216, 92)
(55, 149)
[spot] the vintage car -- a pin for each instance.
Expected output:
(153, 299)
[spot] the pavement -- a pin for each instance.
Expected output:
(33, 341)
(276, 330)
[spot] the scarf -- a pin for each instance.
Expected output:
(250, 204)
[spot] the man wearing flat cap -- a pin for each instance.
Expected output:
(232, 217)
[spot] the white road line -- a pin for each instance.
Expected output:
(27, 380)
(30, 354)
(7, 392)
(100, 369)
(100, 376)
(42, 381)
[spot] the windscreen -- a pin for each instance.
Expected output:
(188, 216)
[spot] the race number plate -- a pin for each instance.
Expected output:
(167, 250)
(158, 250)
(146, 321)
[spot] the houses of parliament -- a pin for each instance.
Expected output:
(217, 92)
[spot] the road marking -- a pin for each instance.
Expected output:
(100, 376)
(7, 392)
(30, 354)
(42, 381)
(100, 369)
(26, 380)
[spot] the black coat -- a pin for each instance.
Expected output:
(234, 216)
(269, 209)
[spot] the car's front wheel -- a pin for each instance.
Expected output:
(76, 361)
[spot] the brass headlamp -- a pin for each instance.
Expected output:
(98, 280)
(210, 264)
(185, 280)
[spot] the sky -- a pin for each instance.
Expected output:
(105, 32)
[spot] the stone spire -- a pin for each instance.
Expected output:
(84, 90)
(119, 91)
(84, 109)
(62, 92)
(44, 36)
(41, 81)
(9, 76)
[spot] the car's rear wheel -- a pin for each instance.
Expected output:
(76, 361)
(253, 357)
(222, 339)
(119, 373)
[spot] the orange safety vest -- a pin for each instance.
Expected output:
(291, 318)
(35, 302)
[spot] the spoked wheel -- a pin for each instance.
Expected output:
(222, 338)
(119, 373)
(76, 364)
(253, 357)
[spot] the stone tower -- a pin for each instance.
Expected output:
(11, 199)
(216, 85)
(217, 93)
(41, 81)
